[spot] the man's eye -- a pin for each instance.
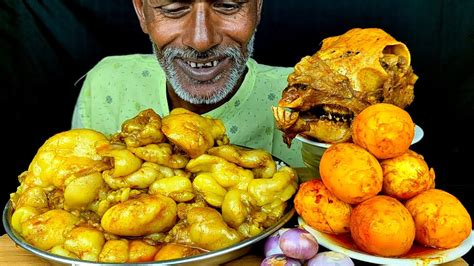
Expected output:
(175, 9)
(227, 7)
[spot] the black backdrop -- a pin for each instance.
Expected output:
(45, 46)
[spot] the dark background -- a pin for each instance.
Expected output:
(46, 46)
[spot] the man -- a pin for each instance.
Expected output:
(203, 48)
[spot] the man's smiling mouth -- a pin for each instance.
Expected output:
(201, 65)
(202, 70)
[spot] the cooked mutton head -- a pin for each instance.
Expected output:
(350, 72)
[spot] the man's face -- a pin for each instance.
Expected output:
(202, 45)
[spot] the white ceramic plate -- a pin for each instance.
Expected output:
(416, 256)
(418, 136)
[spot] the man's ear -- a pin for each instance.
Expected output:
(259, 10)
(138, 5)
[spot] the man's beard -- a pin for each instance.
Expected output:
(238, 58)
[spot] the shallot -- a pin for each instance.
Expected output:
(330, 258)
(299, 244)
(280, 260)
(272, 245)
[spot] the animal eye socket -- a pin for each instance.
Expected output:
(292, 90)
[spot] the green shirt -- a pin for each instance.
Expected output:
(119, 87)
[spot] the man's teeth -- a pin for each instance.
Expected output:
(200, 65)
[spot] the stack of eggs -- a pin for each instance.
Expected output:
(380, 191)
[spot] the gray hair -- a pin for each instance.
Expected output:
(239, 59)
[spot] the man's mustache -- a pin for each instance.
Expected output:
(170, 53)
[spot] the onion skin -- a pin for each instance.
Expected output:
(330, 258)
(272, 245)
(299, 244)
(280, 260)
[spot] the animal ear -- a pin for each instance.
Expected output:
(138, 6)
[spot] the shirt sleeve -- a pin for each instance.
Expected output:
(81, 115)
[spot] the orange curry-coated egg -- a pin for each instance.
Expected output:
(406, 176)
(320, 209)
(440, 218)
(351, 172)
(385, 130)
(382, 226)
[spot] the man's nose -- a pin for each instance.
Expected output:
(201, 33)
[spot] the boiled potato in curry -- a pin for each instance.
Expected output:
(159, 185)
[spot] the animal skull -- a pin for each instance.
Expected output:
(349, 73)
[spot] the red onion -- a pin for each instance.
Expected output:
(299, 244)
(272, 245)
(330, 258)
(280, 260)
